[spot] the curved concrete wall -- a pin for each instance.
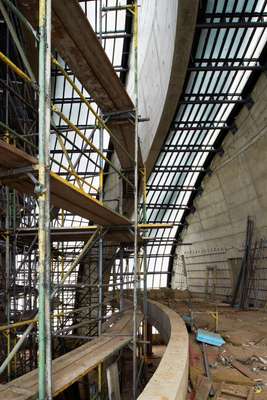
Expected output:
(170, 380)
(236, 189)
(166, 31)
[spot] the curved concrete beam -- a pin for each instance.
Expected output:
(166, 35)
(170, 380)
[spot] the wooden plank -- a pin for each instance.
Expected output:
(75, 234)
(245, 371)
(203, 388)
(238, 392)
(13, 392)
(84, 54)
(12, 157)
(72, 366)
(63, 194)
(87, 59)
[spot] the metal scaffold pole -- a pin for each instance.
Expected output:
(8, 267)
(121, 278)
(145, 267)
(136, 281)
(43, 191)
(100, 248)
(101, 165)
(7, 225)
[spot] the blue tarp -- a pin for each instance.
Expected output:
(209, 337)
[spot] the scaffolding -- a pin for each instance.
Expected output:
(76, 241)
(60, 284)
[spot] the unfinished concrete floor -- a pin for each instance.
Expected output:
(239, 367)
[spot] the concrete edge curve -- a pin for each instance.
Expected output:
(187, 13)
(170, 380)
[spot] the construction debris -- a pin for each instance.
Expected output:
(227, 391)
(236, 370)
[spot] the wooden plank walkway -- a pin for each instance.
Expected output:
(90, 64)
(63, 194)
(80, 234)
(70, 367)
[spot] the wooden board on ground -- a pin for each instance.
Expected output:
(245, 371)
(202, 388)
(236, 392)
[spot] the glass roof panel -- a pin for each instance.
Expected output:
(212, 92)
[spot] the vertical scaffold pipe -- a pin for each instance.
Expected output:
(121, 278)
(43, 190)
(8, 263)
(101, 197)
(145, 267)
(8, 267)
(136, 281)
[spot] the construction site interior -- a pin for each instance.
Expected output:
(133, 199)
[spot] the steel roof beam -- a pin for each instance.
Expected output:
(236, 15)
(227, 68)
(231, 25)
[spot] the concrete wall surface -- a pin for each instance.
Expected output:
(236, 189)
(166, 31)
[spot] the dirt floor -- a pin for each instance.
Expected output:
(238, 369)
